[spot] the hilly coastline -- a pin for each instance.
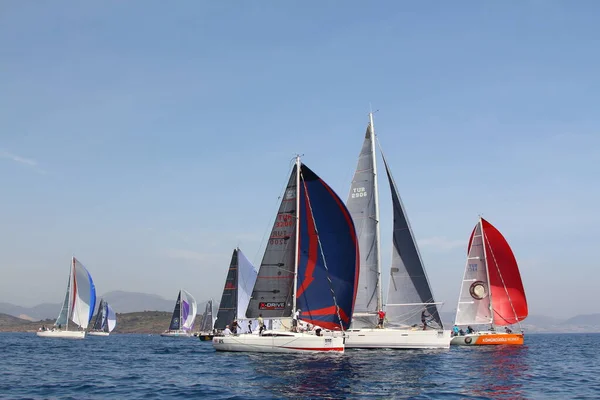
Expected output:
(147, 322)
(150, 313)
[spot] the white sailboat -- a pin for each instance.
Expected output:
(105, 321)
(239, 283)
(410, 300)
(77, 308)
(491, 293)
(184, 315)
(208, 323)
(310, 267)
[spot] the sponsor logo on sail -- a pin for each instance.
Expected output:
(273, 305)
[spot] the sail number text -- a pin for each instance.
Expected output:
(359, 192)
(472, 267)
(284, 221)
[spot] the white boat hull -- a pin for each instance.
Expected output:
(62, 334)
(397, 339)
(176, 334)
(98, 333)
(279, 343)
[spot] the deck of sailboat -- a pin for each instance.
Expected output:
(279, 342)
(176, 334)
(98, 333)
(389, 338)
(60, 334)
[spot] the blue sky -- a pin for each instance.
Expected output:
(149, 139)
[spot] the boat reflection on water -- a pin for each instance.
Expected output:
(497, 372)
(357, 373)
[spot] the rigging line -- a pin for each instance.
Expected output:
(337, 308)
(502, 279)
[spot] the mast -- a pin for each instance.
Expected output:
(377, 230)
(294, 288)
(487, 268)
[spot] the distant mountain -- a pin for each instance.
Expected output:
(120, 301)
(545, 324)
(126, 302)
(151, 322)
(35, 313)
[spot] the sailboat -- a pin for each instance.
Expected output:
(241, 277)
(413, 320)
(208, 322)
(184, 315)
(492, 292)
(309, 268)
(105, 321)
(78, 306)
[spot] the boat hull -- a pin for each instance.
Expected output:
(291, 343)
(96, 333)
(488, 339)
(62, 334)
(206, 338)
(397, 339)
(180, 334)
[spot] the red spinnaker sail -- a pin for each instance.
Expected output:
(508, 296)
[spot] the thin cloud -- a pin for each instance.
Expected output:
(21, 160)
(441, 243)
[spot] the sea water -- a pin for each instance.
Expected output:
(145, 367)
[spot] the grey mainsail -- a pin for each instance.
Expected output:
(409, 293)
(362, 203)
(207, 318)
(176, 318)
(228, 305)
(63, 316)
(273, 290)
(99, 322)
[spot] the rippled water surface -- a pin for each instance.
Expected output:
(144, 367)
